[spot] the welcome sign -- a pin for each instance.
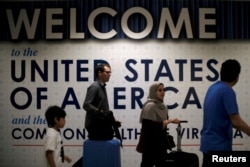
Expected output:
(49, 50)
(164, 19)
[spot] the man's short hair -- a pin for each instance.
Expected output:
(230, 70)
(100, 67)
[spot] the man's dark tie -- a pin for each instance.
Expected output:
(106, 96)
(104, 90)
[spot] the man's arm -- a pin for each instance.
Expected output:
(90, 95)
(240, 124)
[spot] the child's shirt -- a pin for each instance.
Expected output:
(53, 142)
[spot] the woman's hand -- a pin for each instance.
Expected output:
(175, 121)
(168, 121)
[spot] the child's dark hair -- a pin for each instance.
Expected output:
(54, 112)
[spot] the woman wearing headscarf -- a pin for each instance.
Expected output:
(154, 119)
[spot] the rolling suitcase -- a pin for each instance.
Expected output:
(101, 153)
(180, 158)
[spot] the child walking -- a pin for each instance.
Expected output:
(54, 152)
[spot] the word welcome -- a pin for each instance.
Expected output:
(55, 19)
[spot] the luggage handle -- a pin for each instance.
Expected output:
(183, 121)
(179, 124)
(178, 129)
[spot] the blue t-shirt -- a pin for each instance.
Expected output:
(217, 132)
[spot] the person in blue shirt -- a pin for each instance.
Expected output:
(221, 112)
